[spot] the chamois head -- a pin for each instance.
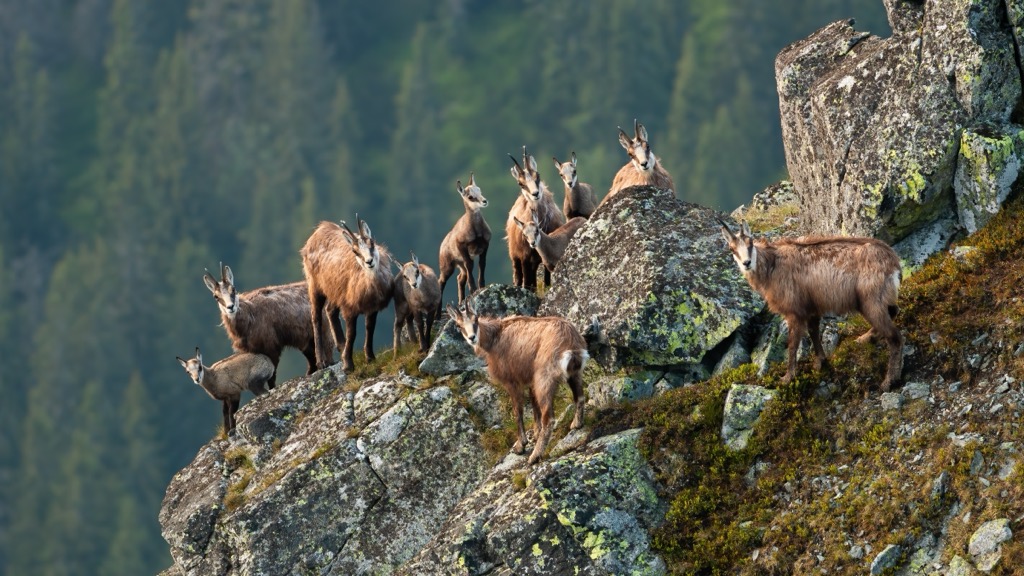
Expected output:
(527, 177)
(531, 231)
(411, 272)
(471, 194)
(638, 148)
(224, 291)
(467, 320)
(567, 170)
(194, 366)
(363, 246)
(742, 247)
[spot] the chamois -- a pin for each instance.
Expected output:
(552, 246)
(643, 166)
(528, 355)
(534, 196)
(227, 378)
(804, 278)
(579, 196)
(417, 297)
(265, 320)
(349, 273)
(468, 239)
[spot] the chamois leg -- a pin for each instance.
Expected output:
(318, 301)
(429, 328)
(467, 266)
(882, 325)
(483, 264)
(517, 272)
(234, 408)
(796, 333)
(399, 325)
(446, 272)
(461, 284)
(422, 330)
(530, 266)
(274, 359)
(544, 435)
(225, 410)
(814, 329)
(517, 414)
(410, 324)
(575, 380)
(547, 277)
(350, 340)
(338, 332)
(371, 323)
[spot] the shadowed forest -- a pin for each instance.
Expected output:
(144, 141)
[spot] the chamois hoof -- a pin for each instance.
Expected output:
(517, 448)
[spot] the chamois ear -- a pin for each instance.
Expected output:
(459, 188)
(184, 363)
(745, 229)
(625, 140)
(573, 160)
(536, 221)
(199, 355)
(453, 313)
(472, 179)
(558, 165)
(415, 260)
(532, 162)
(364, 228)
(210, 282)
(641, 132)
(519, 224)
(227, 275)
(516, 169)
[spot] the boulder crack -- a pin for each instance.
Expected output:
(1016, 44)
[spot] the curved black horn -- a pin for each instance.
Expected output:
(516, 162)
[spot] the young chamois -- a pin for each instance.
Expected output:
(350, 273)
(417, 297)
(552, 246)
(805, 278)
(528, 355)
(579, 196)
(468, 239)
(265, 320)
(643, 166)
(228, 378)
(534, 197)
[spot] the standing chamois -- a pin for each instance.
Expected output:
(534, 197)
(528, 355)
(265, 320)
(551, 247)
(350, 273)
(417, 297)
(228, 378)
(579, 196)
(643, 166)
(805, 278)
(468, 239)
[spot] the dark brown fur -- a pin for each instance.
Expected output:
(416, 306)
(337, 281)
(525, 355)
(804, 278)
(551, 247)
(268, 319)
(468, 239)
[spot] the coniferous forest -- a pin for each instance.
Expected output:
(143, 141)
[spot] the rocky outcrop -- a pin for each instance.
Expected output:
(587, 513)
(330, 476)
(873, 128)
(743, 407)
(650, 282)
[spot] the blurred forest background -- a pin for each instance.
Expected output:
(142, 141)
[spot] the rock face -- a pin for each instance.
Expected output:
(450, 354)
(656, 275)
(873, 128)
(985, 543)
(348, 483)
(324, 478)
(587, 513)
(743, 406)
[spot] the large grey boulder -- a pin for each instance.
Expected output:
(588, 512)
(743, 407)
(450, 354)
(989, 165)
(649, 281)
(872, 127)
(356, 482)
(985, 544)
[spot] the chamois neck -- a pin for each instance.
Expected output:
(765, 264)
(488, 333)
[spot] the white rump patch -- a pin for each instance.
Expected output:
(563, 362)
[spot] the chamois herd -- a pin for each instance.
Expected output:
(348, 274)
